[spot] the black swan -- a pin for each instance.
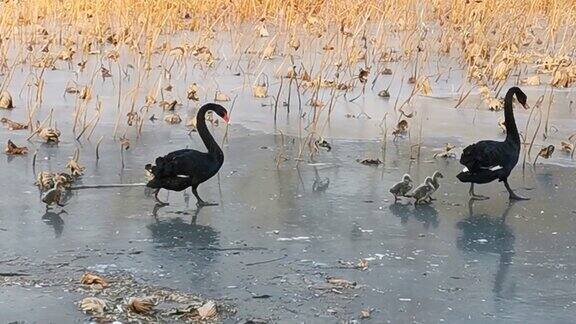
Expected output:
(487, 161)
(189, 168)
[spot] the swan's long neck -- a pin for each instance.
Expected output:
(207, 138)
(512, 135)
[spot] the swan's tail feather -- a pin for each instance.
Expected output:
(465, 176)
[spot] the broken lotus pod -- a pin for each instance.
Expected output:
(90, 279)
(173, 119)
(93, 305)
(6, 100)
(141, 305)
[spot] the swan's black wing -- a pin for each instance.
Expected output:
(484, 155)
(181, 163)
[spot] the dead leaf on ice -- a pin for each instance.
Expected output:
(6, 100)
(93, 305)
(141, 305)
(12, 149)
(446, 151)
(173, 119)
(207, 310)
(546, 152)
(532, 80)
(221, 96)
(50, 135)
(260, 91)
(365, 314)
(90, 279)
(362, 264)
(12, 125)
(567, 147)
(340, 282)
(192, 92)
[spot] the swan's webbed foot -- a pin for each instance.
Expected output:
(478, 197)
(159, 202)
(514, 196)
(202, 203)
(474, 196)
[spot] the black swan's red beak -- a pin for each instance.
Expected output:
(226, 118)
(526, 106)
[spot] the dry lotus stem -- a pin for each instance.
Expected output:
(90, 279)
(12, 125)
(6, 100)
(12, 149)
